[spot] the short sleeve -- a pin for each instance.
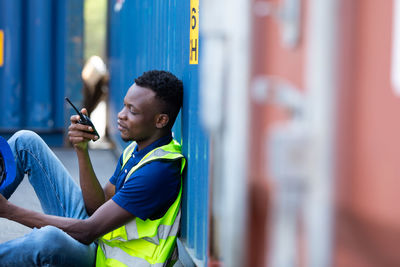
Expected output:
(151, 189)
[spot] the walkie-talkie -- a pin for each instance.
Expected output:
(85, 120)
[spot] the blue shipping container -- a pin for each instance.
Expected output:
(146, 35)
(41, 57)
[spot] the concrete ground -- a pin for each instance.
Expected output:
(104, 162)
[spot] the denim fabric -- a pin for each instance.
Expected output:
(59, 195)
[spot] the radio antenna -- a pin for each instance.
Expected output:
(80, 114)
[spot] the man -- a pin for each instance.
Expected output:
(134, 219)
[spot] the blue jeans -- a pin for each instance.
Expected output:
(58, 195)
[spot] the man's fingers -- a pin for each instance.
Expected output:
(80, 127)
(87, 135)
(74, 118)
(80, 133)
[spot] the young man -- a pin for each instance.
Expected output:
(134, 219)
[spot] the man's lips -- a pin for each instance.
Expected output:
(121, 127)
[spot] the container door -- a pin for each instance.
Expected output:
(40, 64)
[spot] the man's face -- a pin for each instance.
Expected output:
(137, 119)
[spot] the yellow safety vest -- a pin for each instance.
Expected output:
(149, 242)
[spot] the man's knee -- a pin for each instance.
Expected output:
(46, 235)
(26, 136)
(57, 248)
(25, 139)
(48, 238)
(49, 245)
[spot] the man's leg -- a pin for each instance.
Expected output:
(58, 194)
(57, 191)
(47, 246)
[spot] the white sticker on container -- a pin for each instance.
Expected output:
(118, 5)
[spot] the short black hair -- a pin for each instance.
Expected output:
(167, 87)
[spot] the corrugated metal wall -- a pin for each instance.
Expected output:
(145, 35)
(42, 61)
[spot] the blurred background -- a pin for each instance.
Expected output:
(288, 122)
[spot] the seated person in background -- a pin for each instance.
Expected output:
(134, 219)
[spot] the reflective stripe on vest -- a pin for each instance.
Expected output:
(127, 153)
(149, 242)
(125, 259)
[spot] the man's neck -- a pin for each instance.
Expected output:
(144, 143)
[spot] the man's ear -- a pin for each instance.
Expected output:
(162, 120)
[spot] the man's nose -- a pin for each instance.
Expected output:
(121, 114)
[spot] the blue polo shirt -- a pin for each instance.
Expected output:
(152, 188)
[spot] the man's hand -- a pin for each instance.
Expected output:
(79, 135)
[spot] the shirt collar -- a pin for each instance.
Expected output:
(165, 140)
